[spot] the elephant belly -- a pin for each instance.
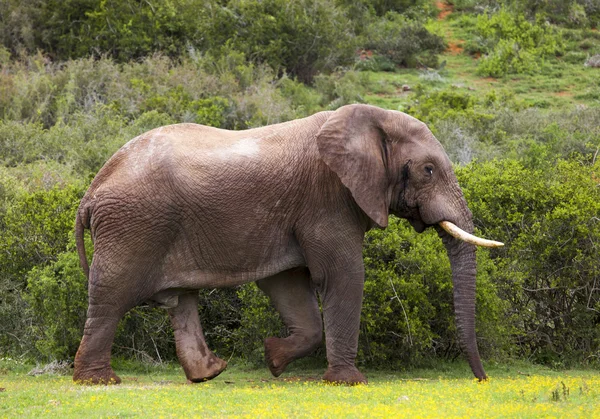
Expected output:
(219, 262)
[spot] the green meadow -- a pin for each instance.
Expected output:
(449, 391)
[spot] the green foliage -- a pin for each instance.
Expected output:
(258, 320)
(403, 41)
(304, 99)
(34, 229)
(530, 135)
(57, 297)
(570, 13)
(302, 37)
(211, 111)
(407, 309)
(123, 30)
(80, 112)
(382, 7)
(513, 45)
(374, 63)
(432, 106)
(343, 88)
(548, 271)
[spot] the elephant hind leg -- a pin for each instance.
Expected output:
(92, 361)
(294, 298)
(198, 361)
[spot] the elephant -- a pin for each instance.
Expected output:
(185, 206)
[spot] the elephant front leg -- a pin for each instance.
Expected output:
(341, 296)
(197, 360)
(296, 301)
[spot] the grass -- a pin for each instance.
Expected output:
(561, 82)
(447, 391)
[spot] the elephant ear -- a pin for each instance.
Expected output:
(352, 144)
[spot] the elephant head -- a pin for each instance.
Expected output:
(392, 163)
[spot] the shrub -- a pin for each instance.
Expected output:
(80, 112)
(304, 100)
(407, 310)
(57, 291)
(382, 7)
(374, 63)
(34, 229)
(258, 320)
(339, 89)
(512, 44)
(432, 106)
(302, 37)
(123, 30)
(404, 42)
(499, 126)
(547, 216)
(571, 13)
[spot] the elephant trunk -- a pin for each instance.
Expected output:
(463, 264)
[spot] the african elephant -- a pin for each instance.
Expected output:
(185, 206)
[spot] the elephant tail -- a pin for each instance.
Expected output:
(81, 223)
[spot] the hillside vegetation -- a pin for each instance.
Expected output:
(504, 86)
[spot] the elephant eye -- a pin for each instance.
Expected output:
(429, 170)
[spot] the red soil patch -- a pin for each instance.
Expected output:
(444, 8)
(454, 48)
(564, 94)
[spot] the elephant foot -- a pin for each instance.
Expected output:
(348, 375)
(276, 355)
(211, 368)
(105, 376)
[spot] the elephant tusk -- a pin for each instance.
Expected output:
(455, 231)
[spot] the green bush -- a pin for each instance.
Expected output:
(407, 310)
(381, 7)
(258, 320)
(123, 30)
(34, 229)
(374, 63)
(500, 126)
(548, 271)
(433, 106)
(511, 44)
(403, 41)
(570, 13)
(57, 297)
(301, 38)
(80, 112)
(341, 88)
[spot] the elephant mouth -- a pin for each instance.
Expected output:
(417, 224)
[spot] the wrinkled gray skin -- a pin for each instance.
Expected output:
(185, 206)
